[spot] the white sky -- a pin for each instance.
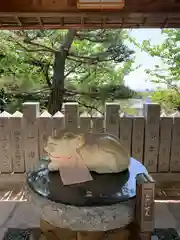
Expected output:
(139, 80)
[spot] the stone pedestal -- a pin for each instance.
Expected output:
(132, 219)
(65, 222)
(50, 232)
(99, 218)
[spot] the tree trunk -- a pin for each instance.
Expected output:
(57, 92)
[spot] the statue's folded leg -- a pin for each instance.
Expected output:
(53, 166)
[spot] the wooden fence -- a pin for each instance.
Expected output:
(153, 140)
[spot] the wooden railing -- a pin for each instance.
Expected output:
(153, 140)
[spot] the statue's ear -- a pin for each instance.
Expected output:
(80, 136)
(46, 147)
(49, 138)
(68, 135)
(80, 139)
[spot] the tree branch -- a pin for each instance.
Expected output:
(93, 59)
(171, 85)
(84, 37)
(89, 94)
(90, 107)
(98, 37)
(76, 60)
(72, 69)
(44, 66)
(26, 49)
(41, 48)
(44, 48)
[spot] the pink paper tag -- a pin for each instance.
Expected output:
(75, 171)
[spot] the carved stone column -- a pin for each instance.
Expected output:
(144, 209)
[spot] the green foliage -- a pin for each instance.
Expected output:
(95, 67)
(169, 73)
(169, 99)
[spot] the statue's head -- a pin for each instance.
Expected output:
(65, 144)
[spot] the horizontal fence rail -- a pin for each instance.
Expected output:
(151, 139)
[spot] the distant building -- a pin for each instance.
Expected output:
(148, 100)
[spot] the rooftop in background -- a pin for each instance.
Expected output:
(60, 14)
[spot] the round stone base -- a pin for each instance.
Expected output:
(101, 218)
(50, 232)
